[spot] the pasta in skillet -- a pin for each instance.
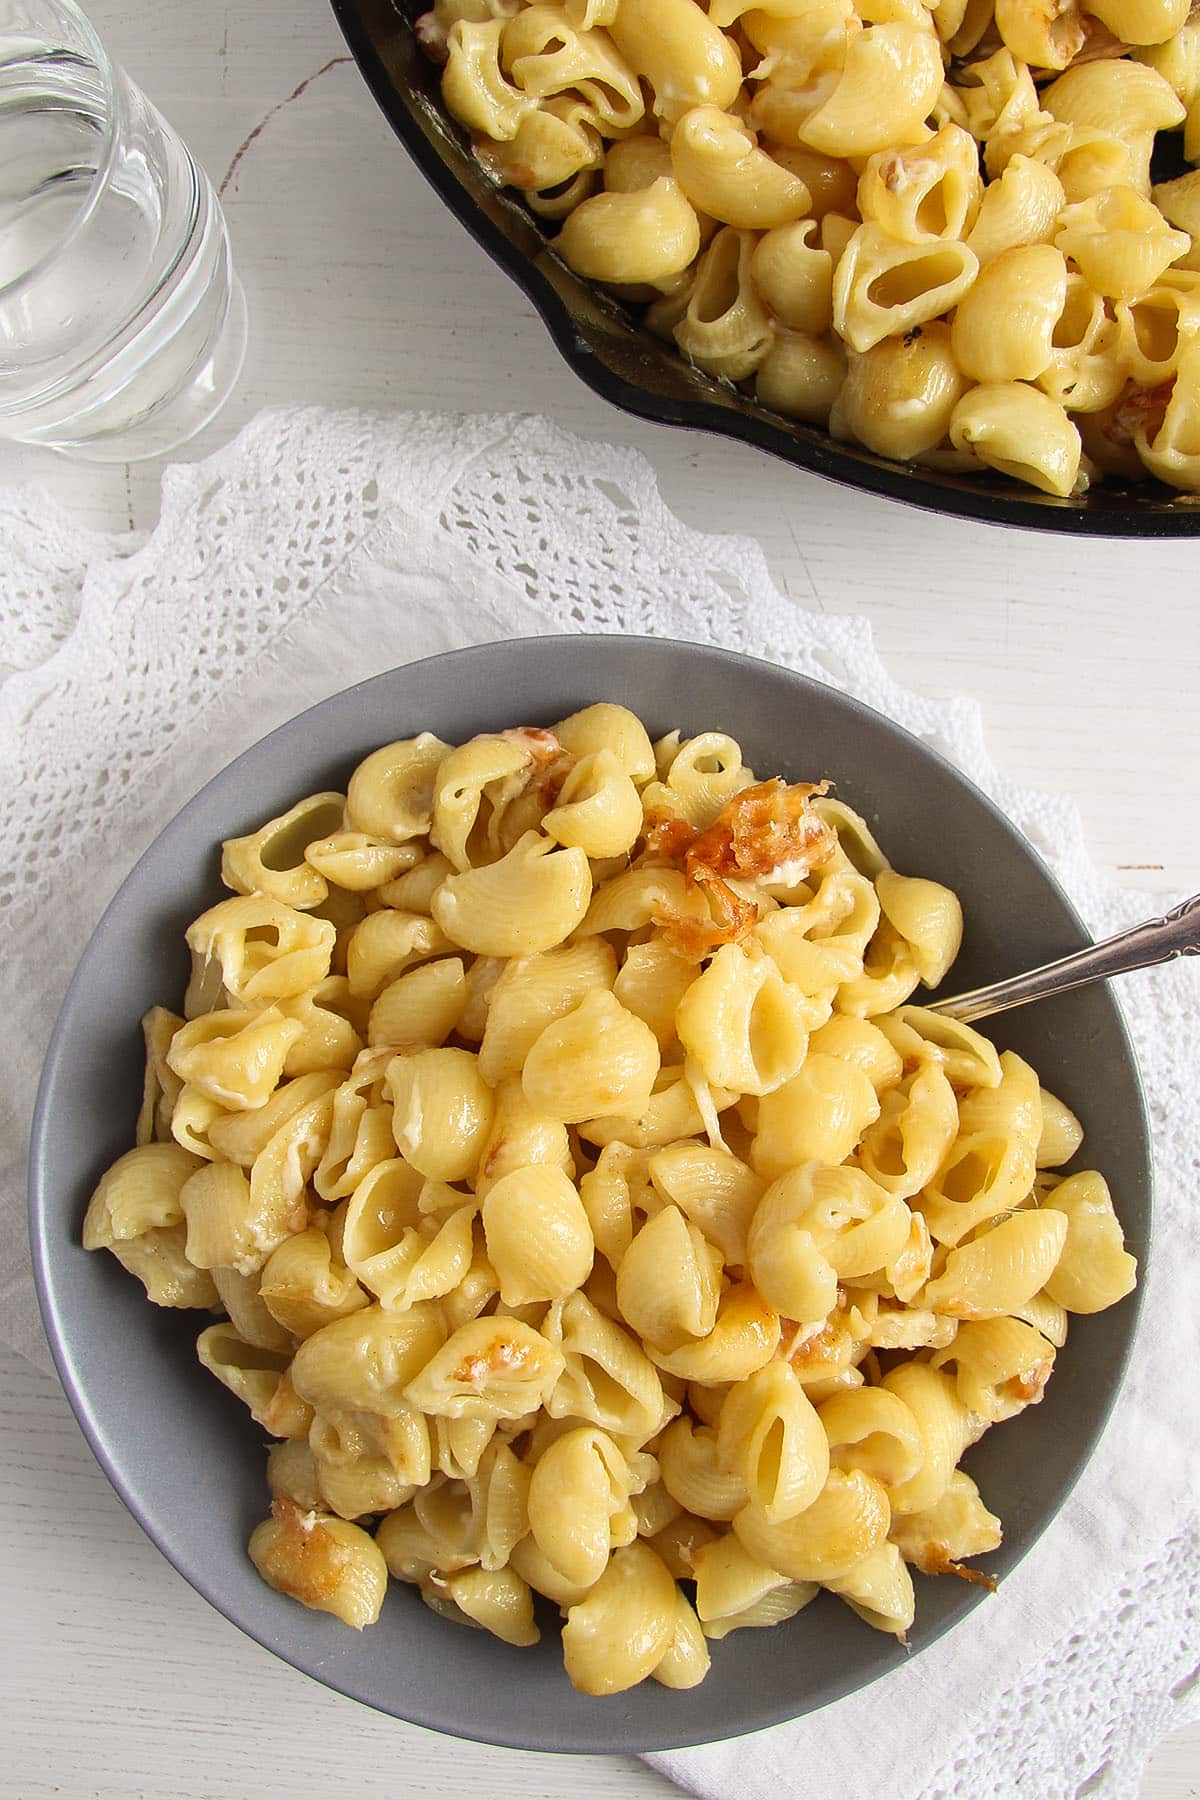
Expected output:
(929, 229)
(590, 1206)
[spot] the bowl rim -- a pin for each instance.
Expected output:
(69, 1358)
(582, 351)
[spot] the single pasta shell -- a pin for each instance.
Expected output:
(848, 1519)
(622, 1630)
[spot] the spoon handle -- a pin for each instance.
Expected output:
(1177, 933)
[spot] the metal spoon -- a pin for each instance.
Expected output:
(1177, 933)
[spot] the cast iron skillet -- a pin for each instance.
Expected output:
(626, 364)
(184, 1454)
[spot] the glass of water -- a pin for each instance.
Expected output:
(122, 324)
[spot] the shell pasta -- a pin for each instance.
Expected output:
(584, 1202)
(927, 227)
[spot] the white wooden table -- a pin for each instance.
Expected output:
(363, 291)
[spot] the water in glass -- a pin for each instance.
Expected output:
(122, 326)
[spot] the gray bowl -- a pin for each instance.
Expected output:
(182, 1452)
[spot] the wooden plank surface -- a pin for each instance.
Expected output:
(363, 291)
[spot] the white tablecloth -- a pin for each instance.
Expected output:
(322, 547)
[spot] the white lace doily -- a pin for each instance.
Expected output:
(320, 548)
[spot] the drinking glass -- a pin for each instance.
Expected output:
(122, 324)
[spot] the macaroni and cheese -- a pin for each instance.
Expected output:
(586, 1206)
(927, 226)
